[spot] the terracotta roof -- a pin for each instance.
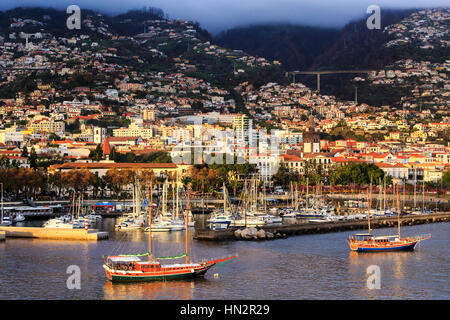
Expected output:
(106, 148)
(143, 151)
(387, 165)
(383, 155)
(290, 157)
(342, 159)
(114, 165)
(117, 139)
(319, 154)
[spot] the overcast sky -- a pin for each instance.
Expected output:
(217, 15)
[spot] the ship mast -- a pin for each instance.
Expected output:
(368, 205)
(265, 197)
(380, 195)
(224, 199)
(307, 193)
(415, 185)
(1, 219)
(177, 208)
(423, 195)
(79, 206)
(164, 199)
(404, 195)
(72, 211)
(398, 213)
(187, 227)
(173, 201)
(150, 223)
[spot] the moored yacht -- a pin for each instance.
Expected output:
(370, 243)
(58, 223)
(129, 268)
(18, 218)
(6, 221)
(220, 221)
(128, 224)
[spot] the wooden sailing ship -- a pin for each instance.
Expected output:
(371, 243)
(130, 268)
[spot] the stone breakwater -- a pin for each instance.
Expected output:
(285, 230)
(254, 234)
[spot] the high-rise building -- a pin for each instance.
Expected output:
(243, 128)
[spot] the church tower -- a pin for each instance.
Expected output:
(106, 148)
(311, 138)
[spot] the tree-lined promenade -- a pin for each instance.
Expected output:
(22, 183)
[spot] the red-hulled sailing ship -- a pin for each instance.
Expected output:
(370, 243)
(129, 268)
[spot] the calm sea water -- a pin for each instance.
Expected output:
(300, 267)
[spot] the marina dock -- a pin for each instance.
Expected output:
(53, 233)
(325, 227)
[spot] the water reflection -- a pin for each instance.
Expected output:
(392, 267)
(319, 266)
(157, 290)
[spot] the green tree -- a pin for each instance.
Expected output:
(4, 162)
(25, 152)
(360, 174)
(33, 158)
(284, 177)
(113, 154)
(446, 179)
(97, 154)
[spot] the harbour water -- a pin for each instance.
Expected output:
(317, 266)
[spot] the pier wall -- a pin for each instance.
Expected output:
(53, 233)
(325, 227)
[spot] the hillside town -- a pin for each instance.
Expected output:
(427, 28)
(146, 157)
(93, 107)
